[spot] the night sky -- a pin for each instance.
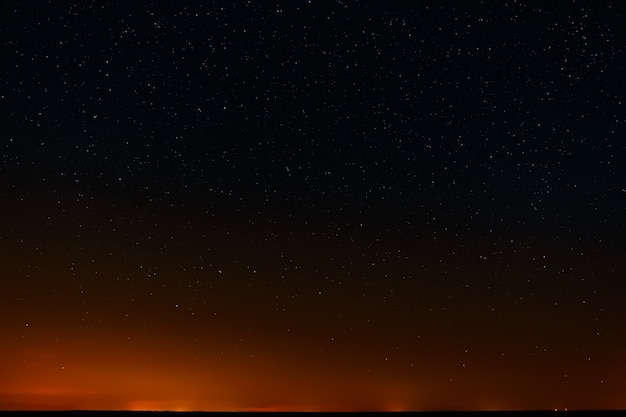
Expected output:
(312, 205)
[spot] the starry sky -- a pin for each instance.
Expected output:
(312, 205)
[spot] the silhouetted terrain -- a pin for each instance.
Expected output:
(613, 413)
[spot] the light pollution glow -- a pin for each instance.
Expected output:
(157, 375)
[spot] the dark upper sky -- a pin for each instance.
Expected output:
(312, 205)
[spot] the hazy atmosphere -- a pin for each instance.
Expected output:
(312, 205)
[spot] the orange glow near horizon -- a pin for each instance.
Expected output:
(96, 374)
(322, 206)
(102, 375)
(165, 361)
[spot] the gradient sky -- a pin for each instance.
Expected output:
(312, 205)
